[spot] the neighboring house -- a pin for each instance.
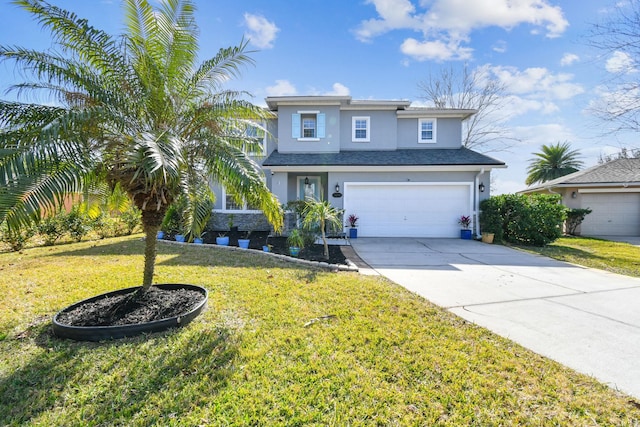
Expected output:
(401, 170)
(610, 190)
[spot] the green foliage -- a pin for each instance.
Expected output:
(131, 219)
(77, 224)
(553, 162)
(52, 228)
(296, 238)
(136, 109)
(575, 218)
(173, 222)
(320, 214)
(16, 237)
(529, 220)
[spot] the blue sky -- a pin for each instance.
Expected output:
(382, 49)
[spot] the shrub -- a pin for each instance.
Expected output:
(530, 220)
(105, 226)
(51, 228)
(16, 238)
(575, 218)
(131, 219)
(77, 224)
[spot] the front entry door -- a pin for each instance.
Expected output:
(308, 186)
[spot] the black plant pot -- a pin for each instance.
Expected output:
(100, 333)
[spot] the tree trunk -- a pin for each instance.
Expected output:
(324, 240)
(151, 222)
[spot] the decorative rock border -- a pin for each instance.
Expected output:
(318, 264)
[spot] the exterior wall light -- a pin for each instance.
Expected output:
(337, 194)
(481, 187)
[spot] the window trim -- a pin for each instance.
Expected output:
(354, 119)
(320, 125)
(433, 139)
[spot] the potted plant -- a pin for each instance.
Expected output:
(465, 222)
(244, 243)
(180, 237)
(295, 241)
(352, 221)
(222, 239)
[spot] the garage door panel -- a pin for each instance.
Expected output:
(612, 214)
(408, 210)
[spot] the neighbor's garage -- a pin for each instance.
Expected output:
(613, 214)
(411, 209)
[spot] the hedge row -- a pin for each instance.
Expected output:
(530, 220)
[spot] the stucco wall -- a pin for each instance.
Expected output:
(331, 141)
(383, 130)
(448, 134)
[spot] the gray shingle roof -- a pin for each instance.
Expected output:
(414, 157)
(621, 171)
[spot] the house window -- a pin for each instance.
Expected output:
(360, 129)
(258, 136)
(230, 204)
(308, 125)
(427, 130)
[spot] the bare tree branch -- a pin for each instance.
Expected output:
(476, 90)
(618, 38)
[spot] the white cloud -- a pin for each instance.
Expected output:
(538, 82)
(261, 32)
(620, 62)
(436, 50)
(281, 88)
(338, 89)
(569, 59)
(446, 24)
(537, 135)
(395, 14)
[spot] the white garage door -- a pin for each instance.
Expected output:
(408, 209)
(613, 214)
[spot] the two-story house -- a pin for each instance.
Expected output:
(401, 170)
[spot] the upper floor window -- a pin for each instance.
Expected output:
(259, 140)
(308, 125)
(360, 129)
(427, 130)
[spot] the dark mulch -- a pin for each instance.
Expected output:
(132, 308)
(311, 253)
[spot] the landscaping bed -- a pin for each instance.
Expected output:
(279, 245)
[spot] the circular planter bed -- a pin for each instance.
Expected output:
(116, 315)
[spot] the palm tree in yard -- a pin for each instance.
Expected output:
(320, 213)
(553, 162)
(135, 110)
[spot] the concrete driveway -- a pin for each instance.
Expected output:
(586, 319)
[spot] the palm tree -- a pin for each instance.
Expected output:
(553, 162)
(322, 214)
(135, 110)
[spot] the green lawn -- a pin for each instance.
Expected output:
(388, 357)
(616, 257)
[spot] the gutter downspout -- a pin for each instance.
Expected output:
(476, 203)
